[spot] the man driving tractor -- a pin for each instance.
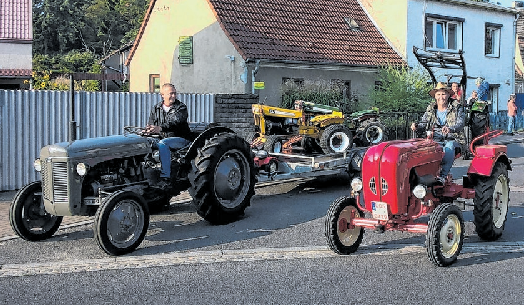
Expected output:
(444, 118)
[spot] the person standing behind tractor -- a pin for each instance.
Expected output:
(457, 91)
(447, 117)
(482, 89)
(169, 120)
(512, 113)
(472, 98)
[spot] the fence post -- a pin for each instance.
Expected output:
(72, 123)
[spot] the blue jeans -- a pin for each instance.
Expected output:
(449, 157)
(511, 124)
(164, 148)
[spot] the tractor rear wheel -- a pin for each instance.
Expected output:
(222, 178)
(336, 139)
(445, 235)
(342, 237)
(491, 203)
(371, 133)
(273, 144)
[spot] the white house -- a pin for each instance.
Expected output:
(485, 32)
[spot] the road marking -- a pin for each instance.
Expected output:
(219, 256)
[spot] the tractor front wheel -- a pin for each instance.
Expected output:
(342, 237)
(491, 203)
(445, 235)
(121, 222)
(28, 217)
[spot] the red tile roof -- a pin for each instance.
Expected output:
(303, 30)
(16, 20)
(299, 31)
(15, 72)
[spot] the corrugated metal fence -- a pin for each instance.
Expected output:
(29, 120)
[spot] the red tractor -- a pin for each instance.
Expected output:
(399, 184)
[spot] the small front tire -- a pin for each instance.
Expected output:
(28, 217)
(445, 235)
(342, 237)
(121, 223)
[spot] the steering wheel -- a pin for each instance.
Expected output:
(141, 131)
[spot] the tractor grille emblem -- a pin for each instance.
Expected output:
(384, 186)
(373, 186)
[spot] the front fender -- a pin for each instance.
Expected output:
(485, 158)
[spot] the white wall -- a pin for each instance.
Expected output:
(494, 70)
(15, 55)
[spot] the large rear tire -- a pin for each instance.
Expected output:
(445, 235)
(372, 133)
(121, 222)
(491, 203)
(336, 139)
(222, 178)
(341, 237)
(28, 217)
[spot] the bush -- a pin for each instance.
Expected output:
(402, 89)
(50, 72)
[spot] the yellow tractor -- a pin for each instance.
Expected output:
(308, 127)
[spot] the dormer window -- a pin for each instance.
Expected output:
(353, 25)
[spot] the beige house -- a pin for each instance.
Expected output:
(248, 46)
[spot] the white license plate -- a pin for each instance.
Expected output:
(92, 201)
(379, 210)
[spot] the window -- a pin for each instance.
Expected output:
(154, 82)
(443, 32)
(492, 41)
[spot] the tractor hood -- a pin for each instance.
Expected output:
(98, 149)
(386, 168)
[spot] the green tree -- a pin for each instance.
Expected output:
(402, 89)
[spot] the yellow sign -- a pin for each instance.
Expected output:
(259, 85)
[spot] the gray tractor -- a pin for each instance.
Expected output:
(116, 180)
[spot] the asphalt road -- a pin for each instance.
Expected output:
(275, 254)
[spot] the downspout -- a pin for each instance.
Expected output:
(512, 90)
(253, 73)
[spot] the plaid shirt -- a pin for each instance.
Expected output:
(454, 120)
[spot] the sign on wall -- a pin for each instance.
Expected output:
(185, 49)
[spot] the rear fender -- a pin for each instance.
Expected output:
(485, 159)
(201, 139)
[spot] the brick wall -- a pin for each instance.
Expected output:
(234, 111)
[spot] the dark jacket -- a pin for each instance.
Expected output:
(173, 123)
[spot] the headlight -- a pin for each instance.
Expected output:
(356, 184)
(419, 191)
(81, 169)
(37, 165)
